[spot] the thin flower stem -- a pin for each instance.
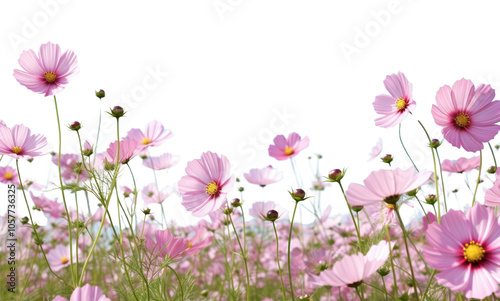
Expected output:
(405, 234)
(73, 276)
(423, 210)
(438, 217)
(392, 261)
(401, 139)
(442, 182)
(493, 154)
(478, 176)
(429, 284)
(37, 237)
(178, 281)
(289, 245)
(97, 139)
(278, 259)
(385, 289)
(352, 216)
(29, 275)
(295, 174)
(243, 255)
(360, 294)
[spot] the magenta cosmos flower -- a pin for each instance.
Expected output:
(155, 135)
(468, 115)
(461, 165)
(205, 187)
(49, 72)
(85, 293)
(128, 149)
(385, 185)
(264, 176)
(283, 149)
(19, 143)
(465, 248)
(353, 269)
(396, 106)
(167, 245)
(164, 161)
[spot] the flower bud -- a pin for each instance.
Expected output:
(492, 169)
(204, 293)
(100, 94)
(241, 189)
(387, 159)
(75, 126)
(305, 297)
(236, 202)
(227, 210)
(30, 160)
(24, 220)
(413, 192)
(383, 270)
(435, 143)
(430, 199)
(357, 208)
(146, 211)
(272, 215)
(117, 112)
(336, 175)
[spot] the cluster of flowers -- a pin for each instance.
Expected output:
(448, 254)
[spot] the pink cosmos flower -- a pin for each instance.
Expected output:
(290, 147)
(155, 135)
(167, 245)
(376, 150)
(88, 149)
(49, 72)
(385, 185)
(85, 293)
(150, 194)
(164, 161)
(492, 195)
(461, 165)
(52, 208)
(8, 175)
(71, 167)
(2, 123)
(265, 176)
(468, 115)
(59, 257)
(19, 143)
(353, 269)
(128, 149)
(396, 106)
(205, 187)
(465, 248)
(260, 209)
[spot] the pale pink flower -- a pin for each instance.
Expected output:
(352, 269)
(71, 167)
(284, 148)
(49, 72)
(85, 293)
(164, 161)
(465, 249)
(2, 123)
(394, 107)
(150, 194)
(204, 189)
(385, 185)
(52, 208)
(59, 257)
(129, 148)
(166, 245)
(376, 150)
(468, 115)
(492, 195)
(260, 209)
(461, 165)
(155, 135)
(264, 176)
(8, 175)
(19, 143)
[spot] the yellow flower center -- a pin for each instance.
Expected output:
(212, 188)
(50, 77)
(190, 245)
(288, 151)
(17, 150)
(462, 120)
(473, 252)
(64, 260)
(146, 140)
(390, 206)
(7, 175)
(400, 104)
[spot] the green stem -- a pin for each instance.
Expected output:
(289, 245)
(278, 259)
(29, 275)
(243, 255)
(405, 234)
(63, 196)
(478, 176)
(178, 280)
(493, 154)
(97, 139)
(423, 210)
(401, 139)
(429, 283)
(360, 294)
(392, 261)
(352, 216)
(442, 182)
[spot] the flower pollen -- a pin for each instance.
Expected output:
(288, 151)
(390, 206)
(64, 260)
(146, 140)
(462, 120)
(8, 176)
(473, 252)
(212, 188)
(50, 77)
(401, 104)
(17, 150)
(190, 245)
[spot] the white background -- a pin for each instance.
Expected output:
(235, 73)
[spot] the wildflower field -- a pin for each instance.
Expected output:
(243, 251)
